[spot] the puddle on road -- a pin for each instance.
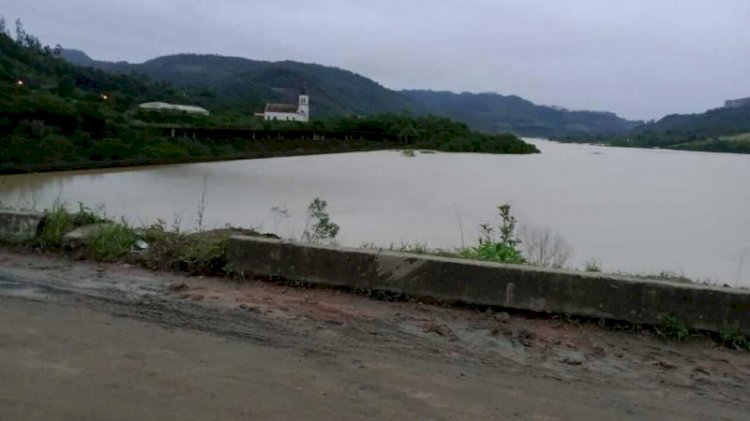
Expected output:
(19, 289)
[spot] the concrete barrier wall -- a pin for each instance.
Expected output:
(516, 287)
(18, 225)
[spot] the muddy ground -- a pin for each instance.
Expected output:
(98, 341)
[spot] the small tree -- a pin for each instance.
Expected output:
(20, 33)
(323, 229)
(508, 227)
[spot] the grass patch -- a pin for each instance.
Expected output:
(674, 329)
(58, 221)
(732, 337)
(110, 242)
(55, 224)
(200, 253)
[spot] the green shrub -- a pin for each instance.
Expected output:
(674, 329)
(202, 253)
(323, 229)
(502, 249)
(55, 224)
(494, 252)
(732, 337)
(110, 241)
(58, 221)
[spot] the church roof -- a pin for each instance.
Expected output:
(281, 108)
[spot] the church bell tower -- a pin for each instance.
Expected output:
(304, 105)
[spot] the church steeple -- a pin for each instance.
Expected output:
(304, 104)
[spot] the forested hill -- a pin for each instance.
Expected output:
(725, 129)
(492, 112)
(240, 82)
(712, 123)
(55, 113)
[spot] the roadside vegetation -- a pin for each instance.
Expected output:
(153, 247)
(499, 245)
(503, 243)
(159, 246)
(167, 246)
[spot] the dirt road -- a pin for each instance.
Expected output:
(88, 341)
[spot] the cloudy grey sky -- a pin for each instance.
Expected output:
(640, 58)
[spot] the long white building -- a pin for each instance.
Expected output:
(163, 106)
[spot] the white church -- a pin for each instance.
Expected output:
(288, 112)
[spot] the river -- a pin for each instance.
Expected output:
(634, 210)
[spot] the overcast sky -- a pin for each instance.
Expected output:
(639, 58)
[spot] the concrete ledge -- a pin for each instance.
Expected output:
(517, 287)
(18, 225)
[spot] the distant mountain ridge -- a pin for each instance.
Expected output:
(493, 112)
(242, 82)
(721, 121)
(723, 129)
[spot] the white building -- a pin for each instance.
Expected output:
(163, 106)
(288, 112)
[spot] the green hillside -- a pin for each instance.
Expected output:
(716, 130)
(492, 112)
(249, 84)
(52, 111)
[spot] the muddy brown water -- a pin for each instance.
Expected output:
(634, 210)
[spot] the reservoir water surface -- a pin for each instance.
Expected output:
(635, 210)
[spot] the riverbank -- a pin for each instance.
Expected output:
(143, 162)
(181, 151)
(731, 144)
